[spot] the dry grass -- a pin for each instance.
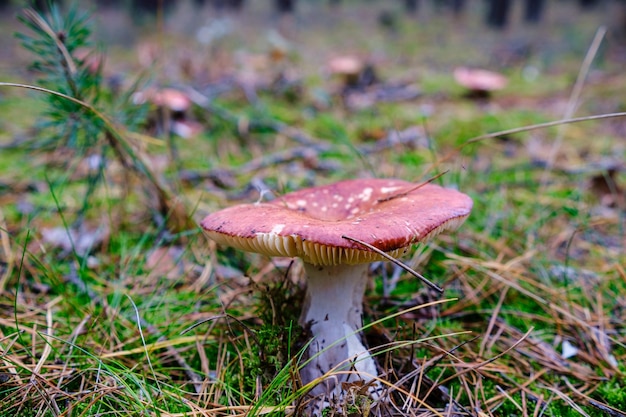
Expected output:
(145, 322)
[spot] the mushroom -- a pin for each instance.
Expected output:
(330, 228)
(353, 71)
(345, 64)
(172, 99)
(480, 82)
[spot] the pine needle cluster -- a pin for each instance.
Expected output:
(68, 62)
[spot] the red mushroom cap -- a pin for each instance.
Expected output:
(310, 224)
(346, 64)
(170, 98)
(173, 99)
(479, 79)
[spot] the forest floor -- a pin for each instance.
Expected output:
(113, 302)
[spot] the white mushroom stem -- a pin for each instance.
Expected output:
(333, 308)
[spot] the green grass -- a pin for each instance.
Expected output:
(540, 261)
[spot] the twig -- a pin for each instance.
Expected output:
(414, 188)
(540, 300)
(535, 127)
(430, 386)
(10, 365)
(568, 400)
(574, 96)
(69, 67)
(407, 137)
(9, 261)
(284, 156)
(47, 348)
(492, 321)
(297, 135)
(310, 146)
(72, 343)
(519, 387)
(479, 365)
(397, 262)
(124, 151)
(454, 152)
(302, 152)
(606, 408)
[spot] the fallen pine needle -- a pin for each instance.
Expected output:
(152, 346)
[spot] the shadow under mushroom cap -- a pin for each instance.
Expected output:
(310, 223)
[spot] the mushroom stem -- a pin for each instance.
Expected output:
(333, 308)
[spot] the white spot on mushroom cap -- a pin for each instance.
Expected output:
(386, 190)
(366, 194)
(277, 229)
(301, 203)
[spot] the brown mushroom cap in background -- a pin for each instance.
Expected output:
(310, 223)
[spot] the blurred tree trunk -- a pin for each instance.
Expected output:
(411, 6)
(458, 7)
(618, 21)
(284, 6)
(587, 4)
(151, 6)
(533, 11)
(236, 5)
(498, 13)
(110, 3)
(220, 5)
